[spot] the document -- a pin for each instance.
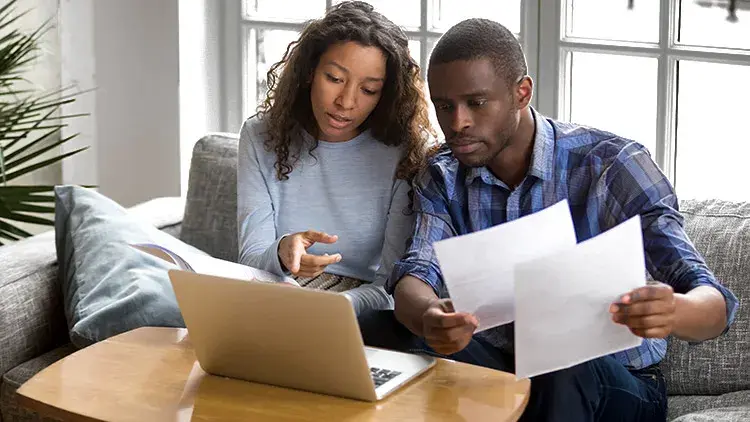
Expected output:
(204, 264)
(563, 299)
(478, 268)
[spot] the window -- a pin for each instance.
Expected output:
(267, 27)
(673, 75)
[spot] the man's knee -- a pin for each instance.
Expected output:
(380, 328)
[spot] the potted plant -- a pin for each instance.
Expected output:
(30, 130)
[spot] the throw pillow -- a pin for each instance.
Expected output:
(108, 287)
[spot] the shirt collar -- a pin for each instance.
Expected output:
(542, 157)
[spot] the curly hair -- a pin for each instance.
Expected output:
(399, 118)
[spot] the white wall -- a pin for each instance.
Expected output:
(43, 75)
(128, 52)
(200, 75)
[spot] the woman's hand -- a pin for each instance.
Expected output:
(294, 257)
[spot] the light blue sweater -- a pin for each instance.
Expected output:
(347, 189)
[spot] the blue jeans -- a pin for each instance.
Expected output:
(598, 390)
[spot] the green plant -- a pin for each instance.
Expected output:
(30, 126)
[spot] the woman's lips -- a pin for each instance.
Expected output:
(337, 121)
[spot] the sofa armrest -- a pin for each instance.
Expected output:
(32, 320)
(161, 212)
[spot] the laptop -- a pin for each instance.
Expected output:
(287, 336)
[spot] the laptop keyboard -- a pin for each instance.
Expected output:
(382, 376)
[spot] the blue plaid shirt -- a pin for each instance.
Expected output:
(606, 180)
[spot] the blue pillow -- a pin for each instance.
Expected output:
(108, 287)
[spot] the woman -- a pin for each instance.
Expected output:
(324, 167)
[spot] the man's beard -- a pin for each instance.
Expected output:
(502, 139)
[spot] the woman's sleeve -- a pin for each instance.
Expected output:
(257, 238)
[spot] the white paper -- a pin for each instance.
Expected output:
(563, 300)
(478, 268)
(204, 264)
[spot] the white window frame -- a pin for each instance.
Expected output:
(555, 72)
(234, 62)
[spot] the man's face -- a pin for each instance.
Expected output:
(476, 109)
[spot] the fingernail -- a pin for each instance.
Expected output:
(626, 299)
(614, 308)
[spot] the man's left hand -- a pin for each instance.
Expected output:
(648, 311)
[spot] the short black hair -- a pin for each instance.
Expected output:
(478, 38)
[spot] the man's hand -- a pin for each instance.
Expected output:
(293, 253)
(648, 311)
(446, 330)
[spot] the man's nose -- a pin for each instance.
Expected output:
(461, 119)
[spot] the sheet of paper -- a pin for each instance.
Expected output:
(562, 301)
(478, 268)
(204, 264)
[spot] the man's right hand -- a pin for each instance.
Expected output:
(293, 253)
(446, 330)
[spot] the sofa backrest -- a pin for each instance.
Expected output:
(721, 232)
(210, 221)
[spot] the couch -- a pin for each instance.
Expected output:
(708, 380)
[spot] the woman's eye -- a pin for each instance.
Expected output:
(332, 78)
(369, 91)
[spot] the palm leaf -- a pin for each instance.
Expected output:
(45, 163)
(32, 154)
(31, 124)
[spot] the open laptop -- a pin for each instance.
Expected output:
(287, 336)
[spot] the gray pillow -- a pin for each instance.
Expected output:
(108, 287)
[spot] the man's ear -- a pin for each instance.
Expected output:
(524, 92)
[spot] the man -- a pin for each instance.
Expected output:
(502, 160)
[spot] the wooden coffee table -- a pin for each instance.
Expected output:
(151, 374)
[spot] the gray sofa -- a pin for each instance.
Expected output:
(709, 380)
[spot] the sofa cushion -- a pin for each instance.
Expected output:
(210, 221)
(723, 414)
(705, 405)
(721, 232)
(31, 312)
(13, 379)
(107, 286)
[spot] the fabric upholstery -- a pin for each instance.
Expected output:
(721, 232)
(210, 222)
(12, 380)
(706, 405)
(31, 316)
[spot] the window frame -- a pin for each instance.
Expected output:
(235, 65)
(555, 73)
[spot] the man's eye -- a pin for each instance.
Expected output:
(478, 102)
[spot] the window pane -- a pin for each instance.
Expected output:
(284, 10)
(615, 93)
(415, 49)
(402, 12)
(704, 23)
(612, 20)
(711, 150)
(264, 48)
(446, 13)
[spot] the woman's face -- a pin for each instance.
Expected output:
(346, 87)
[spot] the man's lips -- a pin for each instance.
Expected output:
(465, 145)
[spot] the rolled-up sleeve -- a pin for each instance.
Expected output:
(634, 185)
